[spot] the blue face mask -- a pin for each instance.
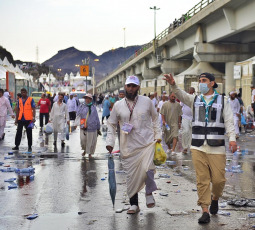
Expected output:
(203, 87)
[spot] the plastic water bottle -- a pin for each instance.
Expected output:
(167, 127)
(251, 215)
(223, 213)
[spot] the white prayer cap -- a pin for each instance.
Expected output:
(132, 80)
(232, 92)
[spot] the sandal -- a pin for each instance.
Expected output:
(133, 209)
(150, 201)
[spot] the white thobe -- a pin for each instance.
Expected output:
(186, 126)
(4, 105)
(138, 147)
(58, 116)
(72, 105)
(160, 117)
(235, 106)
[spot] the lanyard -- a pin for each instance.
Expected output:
(208, 105)
(131, 109)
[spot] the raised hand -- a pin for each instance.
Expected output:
(169, 78)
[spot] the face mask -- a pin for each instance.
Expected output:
(203, 88)
(89, 104)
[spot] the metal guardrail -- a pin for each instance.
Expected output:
(177, 23)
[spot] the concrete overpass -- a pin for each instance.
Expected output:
(211, 37)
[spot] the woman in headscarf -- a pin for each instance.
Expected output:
(88, 119)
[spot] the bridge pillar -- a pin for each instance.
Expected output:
(230, 81)
(174, 67)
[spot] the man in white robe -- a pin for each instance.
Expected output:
(187, 124)
(140, 131)
(59, 116)
(4, 105)
(235, 106)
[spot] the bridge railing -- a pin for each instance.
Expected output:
(176, 23)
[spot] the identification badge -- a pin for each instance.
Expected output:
(126, 128)
(197, 104)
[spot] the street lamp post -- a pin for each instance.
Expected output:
(155, 9)
(124, 30)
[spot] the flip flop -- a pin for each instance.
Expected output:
(133, 209)
(150, 201)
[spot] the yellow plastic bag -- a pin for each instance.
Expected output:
(160, 155)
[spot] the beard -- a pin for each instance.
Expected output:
(131, 96)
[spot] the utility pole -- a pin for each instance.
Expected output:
(155, 9)
(124, 30)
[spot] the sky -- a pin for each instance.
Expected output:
(88, 25)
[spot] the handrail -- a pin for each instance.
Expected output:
(177, 23)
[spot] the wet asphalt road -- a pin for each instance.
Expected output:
(65, 184)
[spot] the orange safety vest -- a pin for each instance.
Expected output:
(26, 109)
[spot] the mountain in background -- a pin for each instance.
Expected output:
(67, 59)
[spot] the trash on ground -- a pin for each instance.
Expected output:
(164, 175)
(171, 162)
(10, 153)
(26, 170)
(186, 168)
(10, 180)
(1, 163)
(9, 169)
(33, 216)
(175, 184)
(194, 189)
(223, 204)
(168, 182)
(120, 172)
(80, 213)
(177, 213)
(103, 178)
(251, 215)
(242, 202)
(223, 213)
(178, 191)
(163, 194)
(120, 210)
(177, 174)
(12, 186)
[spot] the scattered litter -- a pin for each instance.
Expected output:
(33, 216)
(7, 158)
(177, 213)
(242, 202)
(6, 165)
(80, 213)
(9, 169)
(10, 180)
(168, 182)
(120, 210)
(223, 204)
(10, 153)
(120, 172)
(236, 166)
(1, 163)
(12, 186)
(177, 174)
(164, 175)
(26, 170)
(251, 215)
(163, 194)
(160, 167)
(194, 189)
(186, 168)
(103, 178)
(175, 184)
(223, 213)
(178, 191)
(171, 162)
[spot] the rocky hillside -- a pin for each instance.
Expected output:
(108, 61)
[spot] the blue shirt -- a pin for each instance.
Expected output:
(24, 101)
(106, 108)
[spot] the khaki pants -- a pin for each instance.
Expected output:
(210, 168)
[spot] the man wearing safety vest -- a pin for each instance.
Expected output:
(212, 118)
(25, 115)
